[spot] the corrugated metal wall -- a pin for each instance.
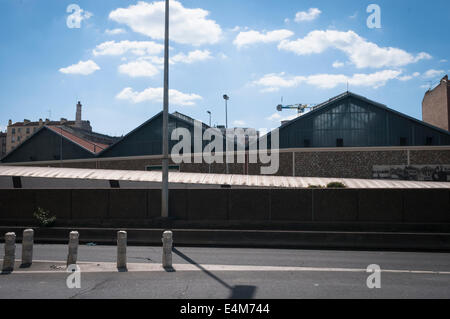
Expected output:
(355, 123)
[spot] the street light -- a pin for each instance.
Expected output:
(209, 112)
(165, 161)
(226, 98)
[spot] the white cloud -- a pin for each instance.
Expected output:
(115, 31)
(311, 14)
(276, 117)
(191, 57)
(140, 68)
(156, 95)
(187, 26)
(433, 73)
(338, 64)
(82, 67)
(443, 60)
(273, 82)
(360, 52)
(251, 37)
(122, 47)
(409, 77)
(239, 123)
(222, 56)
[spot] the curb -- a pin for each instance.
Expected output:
(249, 238)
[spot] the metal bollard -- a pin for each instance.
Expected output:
(27, 247)
(73, 248)
(167, 249)
(121, 250)
(10, 252)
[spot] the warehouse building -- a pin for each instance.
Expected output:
(348, 136)
(58, 143)
(350, 120)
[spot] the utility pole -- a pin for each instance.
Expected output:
(165, 161)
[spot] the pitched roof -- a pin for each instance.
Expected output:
(91, 146)
(344, 95)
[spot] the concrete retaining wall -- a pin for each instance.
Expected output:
(141, 208)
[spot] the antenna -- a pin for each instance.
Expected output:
(49, 114)
(347, 86)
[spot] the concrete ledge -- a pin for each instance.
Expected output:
(251, 238)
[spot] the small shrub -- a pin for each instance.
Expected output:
(336, 185)
(43, 218)
(316, 186)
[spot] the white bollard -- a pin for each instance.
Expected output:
(10, 252)
(121, 250)
(27, 247)
(73, 248)
(167, 249)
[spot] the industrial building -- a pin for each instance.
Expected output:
(57, 143)
(350, 120)
(348, 136)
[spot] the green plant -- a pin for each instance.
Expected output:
(43, 218)
(336, 185)
(316, 186)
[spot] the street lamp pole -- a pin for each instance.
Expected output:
(226, 98)
(165, 161)
(209, 112)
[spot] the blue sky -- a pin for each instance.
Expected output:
(256, 51)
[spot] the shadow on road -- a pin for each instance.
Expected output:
(237, 292)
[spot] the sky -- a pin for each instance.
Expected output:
(108, 54)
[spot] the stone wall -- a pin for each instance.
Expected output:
(339, 163)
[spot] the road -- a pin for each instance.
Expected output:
(230, 273)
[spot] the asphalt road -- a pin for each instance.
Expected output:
(330, 274)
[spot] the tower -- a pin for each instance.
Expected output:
(78, 122)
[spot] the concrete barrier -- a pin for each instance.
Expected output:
(10, 252)
(207, 204)
(121, 250)
(335, 205)
(142, 208)
(73, 248)
(380, 205)
(249, 204)
(27, 247)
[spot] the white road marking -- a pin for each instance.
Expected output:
(96, 267)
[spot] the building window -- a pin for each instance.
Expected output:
(28, 130)
(429, 140)
(19, 138)
(34, 129)
(403, 141)
(13, 131)
(19, 129)
(307, 143)
(13, 139)
(340, 142)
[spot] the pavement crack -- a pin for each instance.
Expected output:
(89, 290)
